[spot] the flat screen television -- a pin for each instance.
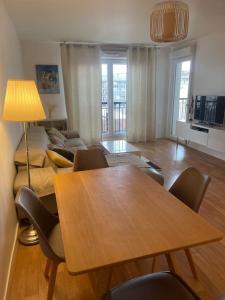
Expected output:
(210, 109)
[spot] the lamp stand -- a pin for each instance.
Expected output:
(28, 236)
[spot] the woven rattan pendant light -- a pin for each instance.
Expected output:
(169, 22)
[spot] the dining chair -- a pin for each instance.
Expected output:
(90, 159)
(156, 286)
(190, 188)
(49, 233)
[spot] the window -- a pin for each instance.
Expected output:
(181, 91)
(114, 97)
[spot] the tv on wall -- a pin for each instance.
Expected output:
(210, 109)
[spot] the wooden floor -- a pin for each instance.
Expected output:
(29, 283)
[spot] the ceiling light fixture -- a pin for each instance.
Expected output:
(169, 22)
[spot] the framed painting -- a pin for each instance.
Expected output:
(47, 79)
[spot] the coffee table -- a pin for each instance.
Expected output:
(119, 147)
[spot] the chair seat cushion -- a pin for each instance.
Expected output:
(157, 286)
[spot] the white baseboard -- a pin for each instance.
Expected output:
(200, 148)
(11, 264)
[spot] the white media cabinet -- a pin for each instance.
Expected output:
(210, 137)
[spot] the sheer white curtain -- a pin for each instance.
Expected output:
(82, 80)
(141, 94)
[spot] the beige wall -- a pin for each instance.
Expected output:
(10, 67)
(45, 53)
(209, 73)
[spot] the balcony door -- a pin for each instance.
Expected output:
(114, 98)
(181, 92)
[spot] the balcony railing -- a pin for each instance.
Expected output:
(105, 117)
(183, 109)
(119, 117)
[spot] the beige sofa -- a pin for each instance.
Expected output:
(43, 169)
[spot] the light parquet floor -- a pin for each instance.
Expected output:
(28, 282)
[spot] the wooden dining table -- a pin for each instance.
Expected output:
(116, 215)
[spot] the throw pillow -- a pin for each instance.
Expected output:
(56, 132)
(59, 160)
(71, 134)
(64, 152)
(56, 140)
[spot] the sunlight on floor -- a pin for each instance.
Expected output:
(180, 152)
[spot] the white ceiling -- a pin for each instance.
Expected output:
(115, 21)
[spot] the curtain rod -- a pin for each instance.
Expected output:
(111, 44)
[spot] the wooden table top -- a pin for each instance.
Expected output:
(113, 215)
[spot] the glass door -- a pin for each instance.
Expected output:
(105, 100)
(181, 92)
(114, 98)
(119, 99)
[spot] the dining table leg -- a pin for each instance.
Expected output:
(191, 263)
(170, 262)
(101, 280)
(154, 260)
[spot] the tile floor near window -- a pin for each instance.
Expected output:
(28, 282)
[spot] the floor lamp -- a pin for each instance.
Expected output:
(23, 104)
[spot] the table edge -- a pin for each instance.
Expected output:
(219, 238)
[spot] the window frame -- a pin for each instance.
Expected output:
(110, 62)
(176, 61)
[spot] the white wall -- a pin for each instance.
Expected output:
(35, 53)
(10, 134)
(209, 73)
(162, 90)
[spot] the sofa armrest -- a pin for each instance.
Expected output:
(41, 181)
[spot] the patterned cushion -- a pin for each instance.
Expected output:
(56, 132)
(70, 134)
(56, 140)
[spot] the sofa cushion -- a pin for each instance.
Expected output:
(56, 132)
(41, 180)
(74, 142)
(59, 160)
(37, 141)
(74, 149)
(70, 134)
(56, 140)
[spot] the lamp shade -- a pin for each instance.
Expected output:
(169, 22)
(22, 102)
